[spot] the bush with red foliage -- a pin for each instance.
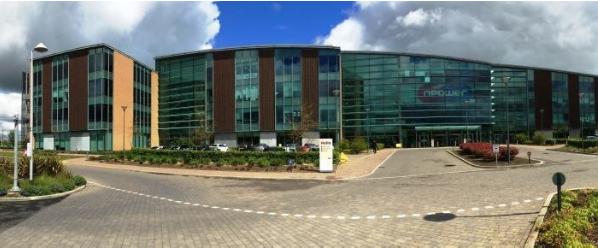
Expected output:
(484, 150)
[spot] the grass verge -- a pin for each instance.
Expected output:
(576, 225)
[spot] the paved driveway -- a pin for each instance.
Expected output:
(132, 209)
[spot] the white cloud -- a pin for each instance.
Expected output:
(555, 35)
(11, 106)
(141, 29)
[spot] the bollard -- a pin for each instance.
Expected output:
(529, 157)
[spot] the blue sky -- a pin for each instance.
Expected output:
(251, 23)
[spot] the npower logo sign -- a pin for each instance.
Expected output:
(442, 92)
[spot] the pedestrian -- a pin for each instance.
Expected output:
(374, 147)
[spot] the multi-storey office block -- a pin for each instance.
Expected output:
(93, 98)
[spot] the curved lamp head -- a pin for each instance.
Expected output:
(40, 48)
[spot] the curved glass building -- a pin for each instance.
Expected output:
(282, 94)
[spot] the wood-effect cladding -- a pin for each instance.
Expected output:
(154, 137)
(224, 92)
(309, 78)
(78, 91)
(543, 88)
(573, 88)
(47, 96)
(596, 95)
(122, 95)
(267, 89)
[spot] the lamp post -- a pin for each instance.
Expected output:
(367, 111)
(467, 102)
(541, 119)
(506, 81)
(15, 184)
(40, 48)
(124, 131)
(581, 117)
(337, 94)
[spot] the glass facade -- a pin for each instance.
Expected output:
(60, 94)
(391, 97)
(142, 106)
(247, 91)
(560, 105)
(100, 79)
(185, 99)
(37, 103)
(515, 87)
(587, 106)
(329, 90)
(287, 63)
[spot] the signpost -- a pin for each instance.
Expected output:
(495, 150)
(558, 179)
(326, 155)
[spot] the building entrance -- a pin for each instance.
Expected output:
(438, 136)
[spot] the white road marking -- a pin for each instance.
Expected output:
(312, 216)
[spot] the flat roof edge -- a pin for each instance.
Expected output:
(93, 46)
(245, 48)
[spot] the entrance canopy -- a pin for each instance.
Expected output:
(448, 128)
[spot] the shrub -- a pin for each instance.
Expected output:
(56, 188)
(539, 139)
(344, 146)
(520, 138)
(550, 142)
(263, 162)
(79, 180)
(358, 145)
(379, 146)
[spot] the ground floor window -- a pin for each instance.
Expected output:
(100, 140)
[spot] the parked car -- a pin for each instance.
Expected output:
(290, 148)
(201, 148)
(261, 147)
(309, 147)
(157, 147)
(219, 147)
(591, 137)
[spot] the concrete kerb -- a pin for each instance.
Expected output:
(43, 197)
(530, 242)
(538, 163)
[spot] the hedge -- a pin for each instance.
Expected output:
(270, 158)
(582, 143)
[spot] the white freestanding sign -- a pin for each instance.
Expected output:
(326, 155)
(28, 151)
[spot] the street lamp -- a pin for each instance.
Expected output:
(541, 119)
(15, 184)
(467, 102)
(337, 94)
(124, 131)
(506, 81)
(581, 117)
(40, 48)
(367, 111)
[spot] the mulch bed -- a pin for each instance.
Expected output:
(482, 162)
(283, 168)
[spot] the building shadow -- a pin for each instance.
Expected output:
(13, 213)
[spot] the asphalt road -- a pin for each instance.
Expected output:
(402, 204)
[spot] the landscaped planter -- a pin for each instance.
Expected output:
(576, 225)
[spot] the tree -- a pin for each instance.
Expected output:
(11, 137)
(306, 124)
(201, 137)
